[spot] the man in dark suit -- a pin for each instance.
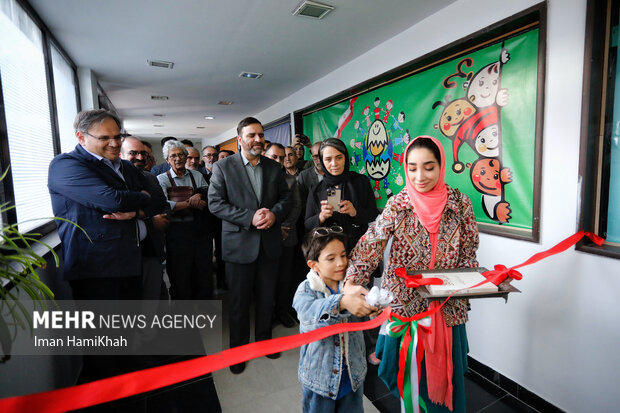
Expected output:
(92, 187)
(101, 193)
(153, 253)
(249, 193)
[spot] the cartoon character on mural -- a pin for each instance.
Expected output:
(388, 109)
(377, 109)
(475, 119)
(489, 179)
(378, 152)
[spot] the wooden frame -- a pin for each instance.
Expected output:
(532, 18)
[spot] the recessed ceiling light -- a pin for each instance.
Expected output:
(313, 9)
(156, 97)
(224, 102)
(251, 75)
(158, 133)
(158, 126)
(158, 115)
(160, 63)
(200, 127)
(209, 117)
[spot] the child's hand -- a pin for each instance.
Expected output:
(356, 304)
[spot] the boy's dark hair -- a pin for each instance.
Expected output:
(314, 244)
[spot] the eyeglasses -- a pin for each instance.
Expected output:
(177, 155)
(325, 231)
(136, 153)
(102, 139)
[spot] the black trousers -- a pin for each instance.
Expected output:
(189, 262)
(285, 290)
(246, 282)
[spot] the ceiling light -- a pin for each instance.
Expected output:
(312, 9)
(250, 75)
(209, 117)
(158, 115)
(224, 102)
(158, 126)
(155, 97)
(160, 63)
(200, 127)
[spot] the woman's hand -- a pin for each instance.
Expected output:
(326, 212)
(346, 207)
(356, 304)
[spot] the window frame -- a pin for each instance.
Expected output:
(595, 142)
(7, 193)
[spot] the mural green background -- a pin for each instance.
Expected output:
(415, 96)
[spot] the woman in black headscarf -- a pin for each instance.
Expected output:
(356, 208)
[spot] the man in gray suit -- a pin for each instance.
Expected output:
(248, 192)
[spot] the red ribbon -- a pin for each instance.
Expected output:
(125, 385)
(406, 340)
(416, 280)
(500, 273)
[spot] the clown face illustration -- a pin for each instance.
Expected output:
(455, 113)
(377, 142)
(484, 86)
(487, 142)
(488, 176)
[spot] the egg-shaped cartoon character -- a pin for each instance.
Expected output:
(487, 142)
(377, 151)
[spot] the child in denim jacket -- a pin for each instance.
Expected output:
(331, 370)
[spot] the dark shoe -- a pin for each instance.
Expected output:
(286, 320)
(237, 368)
(373, 359)
(273, 356)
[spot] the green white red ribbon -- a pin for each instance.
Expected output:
(406, 329)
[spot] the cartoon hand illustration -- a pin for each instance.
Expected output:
(502, 97)
(506, 175)
(503, 212)
(504, 56)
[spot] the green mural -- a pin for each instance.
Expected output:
(481, 106)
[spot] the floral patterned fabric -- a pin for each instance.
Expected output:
(411, 249)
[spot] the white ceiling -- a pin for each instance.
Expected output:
(210, 43)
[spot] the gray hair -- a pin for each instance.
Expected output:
(172, 144)
(191, 148)
(87, 118)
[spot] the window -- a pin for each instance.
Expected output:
(66, 102)
(28, 137)
(600, 130)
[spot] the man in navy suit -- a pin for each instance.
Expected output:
(92, 187)
(248, 192)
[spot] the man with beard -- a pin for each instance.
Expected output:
(249, 193)
(153, 255)
(209, 156)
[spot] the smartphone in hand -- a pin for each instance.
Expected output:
(334, 197)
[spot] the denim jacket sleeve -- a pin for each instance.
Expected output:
(314, 310)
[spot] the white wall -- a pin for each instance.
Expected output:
(560, 338)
